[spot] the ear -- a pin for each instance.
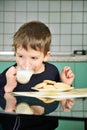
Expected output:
(46, 57)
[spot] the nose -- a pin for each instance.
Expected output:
(27, 64)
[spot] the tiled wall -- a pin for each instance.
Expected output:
(67, 20)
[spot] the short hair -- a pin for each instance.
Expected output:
(34, 34)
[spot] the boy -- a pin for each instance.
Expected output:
(32, 49)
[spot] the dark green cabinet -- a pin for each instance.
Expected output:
(81, 74)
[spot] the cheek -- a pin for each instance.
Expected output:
(36, 64)
(17, 60)
(20, 61)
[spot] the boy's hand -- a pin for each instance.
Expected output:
(67, 104)
(67, 76)
(11, 79)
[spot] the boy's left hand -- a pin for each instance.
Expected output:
(67, 104)
(67, 76)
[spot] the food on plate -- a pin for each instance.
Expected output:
(52, 85)
(49, 82)
(40, 85)
(60, 85)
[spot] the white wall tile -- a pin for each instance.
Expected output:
(7, 48)
(77, 17)
(1, 5)
(9, 17)
(76, 28)
(20, 5)
(77, 47)
(66, 5)
(1, 28)
(85, 5)
(65, 40)
(8, 28)
(65, 49)
(55, 40)
(55, 49)
(1, 16)
(9, 5)
(85, 40)
(1, 48)
(54, 28)
(32, 5)
(65, 28)
(85, 29)
(1, 40)
(31, 16)
(43, 5)
(85, 16)
(8, 39)
(76, 40)
(43, 17)
(77, 5)
(54, 17)
(20, 16)
(66, 17)
(55, 6)
(85, 47)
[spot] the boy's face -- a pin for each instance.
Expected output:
(31, 58)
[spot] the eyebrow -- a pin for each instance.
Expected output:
(33, 55)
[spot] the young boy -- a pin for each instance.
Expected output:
(32, 49)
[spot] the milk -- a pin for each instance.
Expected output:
(23, 76)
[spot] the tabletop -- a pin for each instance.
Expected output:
(19, 104)
(31, 108)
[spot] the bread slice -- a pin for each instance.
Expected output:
(50, 85)
(60, 85)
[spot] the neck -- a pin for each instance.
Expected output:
(41, 69)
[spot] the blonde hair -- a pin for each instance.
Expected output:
(34, 34)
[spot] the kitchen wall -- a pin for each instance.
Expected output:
(67, 20)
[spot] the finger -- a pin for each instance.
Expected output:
(69, 73)
(66, 68)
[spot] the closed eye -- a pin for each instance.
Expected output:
(20, 56)
(34, 58)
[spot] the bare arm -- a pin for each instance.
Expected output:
(11, 79)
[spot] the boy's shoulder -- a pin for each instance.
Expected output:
(50, 65)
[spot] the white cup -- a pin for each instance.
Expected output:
(24, 75)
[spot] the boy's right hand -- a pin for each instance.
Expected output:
(11, 79)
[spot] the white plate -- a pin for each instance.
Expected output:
(57, 90)
(75, 93)
(29, 94)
